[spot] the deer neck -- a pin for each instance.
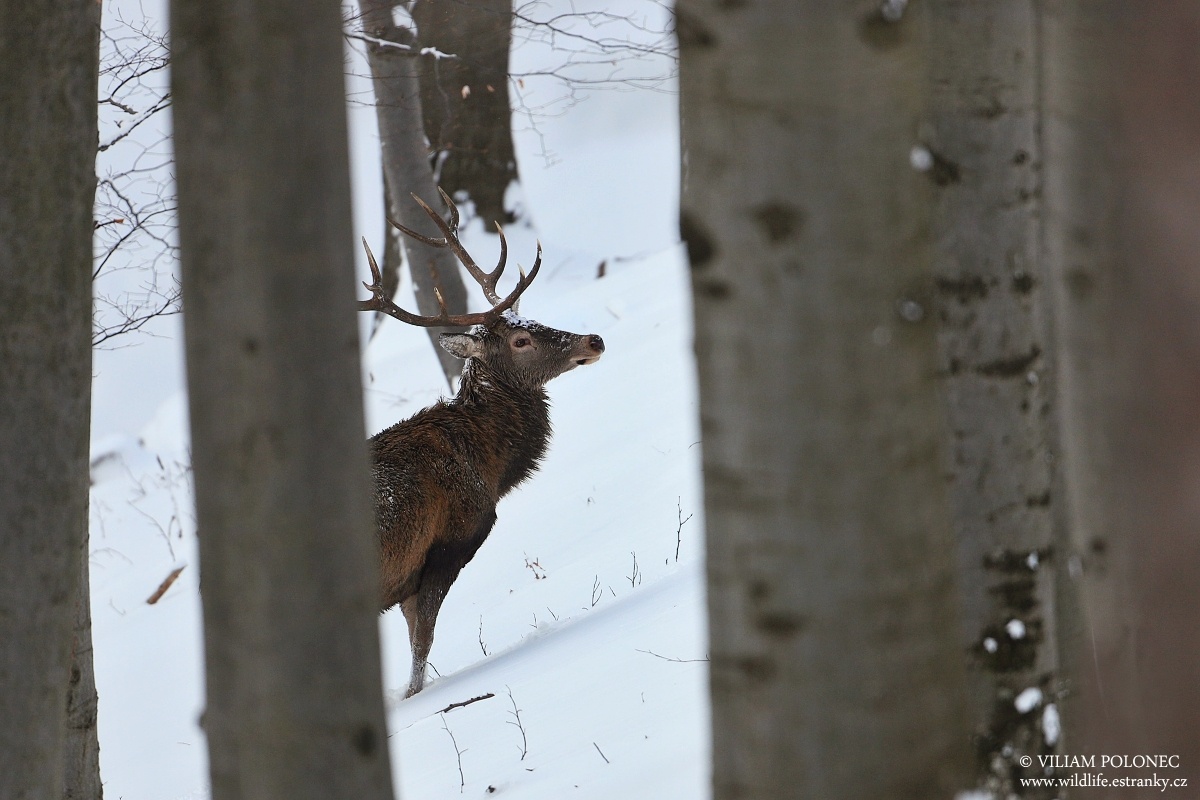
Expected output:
(511, 425)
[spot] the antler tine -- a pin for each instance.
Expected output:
(381, 302)
(495, 274)
(449, 229)
(450, 204)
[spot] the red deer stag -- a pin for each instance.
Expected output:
(439, 474)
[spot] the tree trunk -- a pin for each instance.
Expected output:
(289, 565)
(1145, 697)
(1088, 280)
(836, 666)
(81, 763)
(983, 153)
(49, 55)
(464, 99)
(392, 257)
(394, 72)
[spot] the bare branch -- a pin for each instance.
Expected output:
(516, 713)
(676, 660)
(453, 706)
(162, 588)
(679, 530)
(462, 780)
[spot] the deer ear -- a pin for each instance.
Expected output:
(462, 345)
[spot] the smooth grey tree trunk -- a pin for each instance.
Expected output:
(985, 160)
(836, 665)
(289, 564)
(395, 77)
(49, 59)
(1088, 279)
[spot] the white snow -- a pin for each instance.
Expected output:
(990, 644)
(1015, 629)
(1051, 725)
(610, 678)
(920, 158)
(893, 10)
(1028, 700)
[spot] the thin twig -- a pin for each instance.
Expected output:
(676, 660)
(404, 48)
(453, 706)
(462, 780)
(162, 587)
(601, 752)
(679, 530)
(516, 712)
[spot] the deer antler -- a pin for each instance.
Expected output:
(487, 280)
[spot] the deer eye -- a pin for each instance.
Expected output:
(521, 341)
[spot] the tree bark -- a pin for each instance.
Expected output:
(81, 762)
(49, 54)
(836, 667)
(983, 153)
(289, 565)
(395, 76)
(1088, 278)
(464, 99)
(1144, 696)
(1160, 428)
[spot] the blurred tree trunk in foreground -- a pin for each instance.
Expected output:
(983, 153)
(836, 666)
(1088, 281)
(1144, 696)
(1161, 135)
(49, 57)
(289, 567)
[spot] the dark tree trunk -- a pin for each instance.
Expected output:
(1089, 282)
(1144, 696)
(836, 665)
(289, 562)
(49, 55)
(395, 76)
(465, 99)
(1160, 427)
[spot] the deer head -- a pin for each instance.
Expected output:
(502, 345)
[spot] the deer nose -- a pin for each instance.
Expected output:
(596, 343)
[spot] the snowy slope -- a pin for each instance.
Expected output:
(604, 664)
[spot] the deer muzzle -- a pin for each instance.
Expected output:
(589, 350)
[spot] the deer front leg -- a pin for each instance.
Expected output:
(420, 611)
(442, 565)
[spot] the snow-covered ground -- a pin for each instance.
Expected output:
(583, 612)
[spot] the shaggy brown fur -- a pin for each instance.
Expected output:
(439, 474)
